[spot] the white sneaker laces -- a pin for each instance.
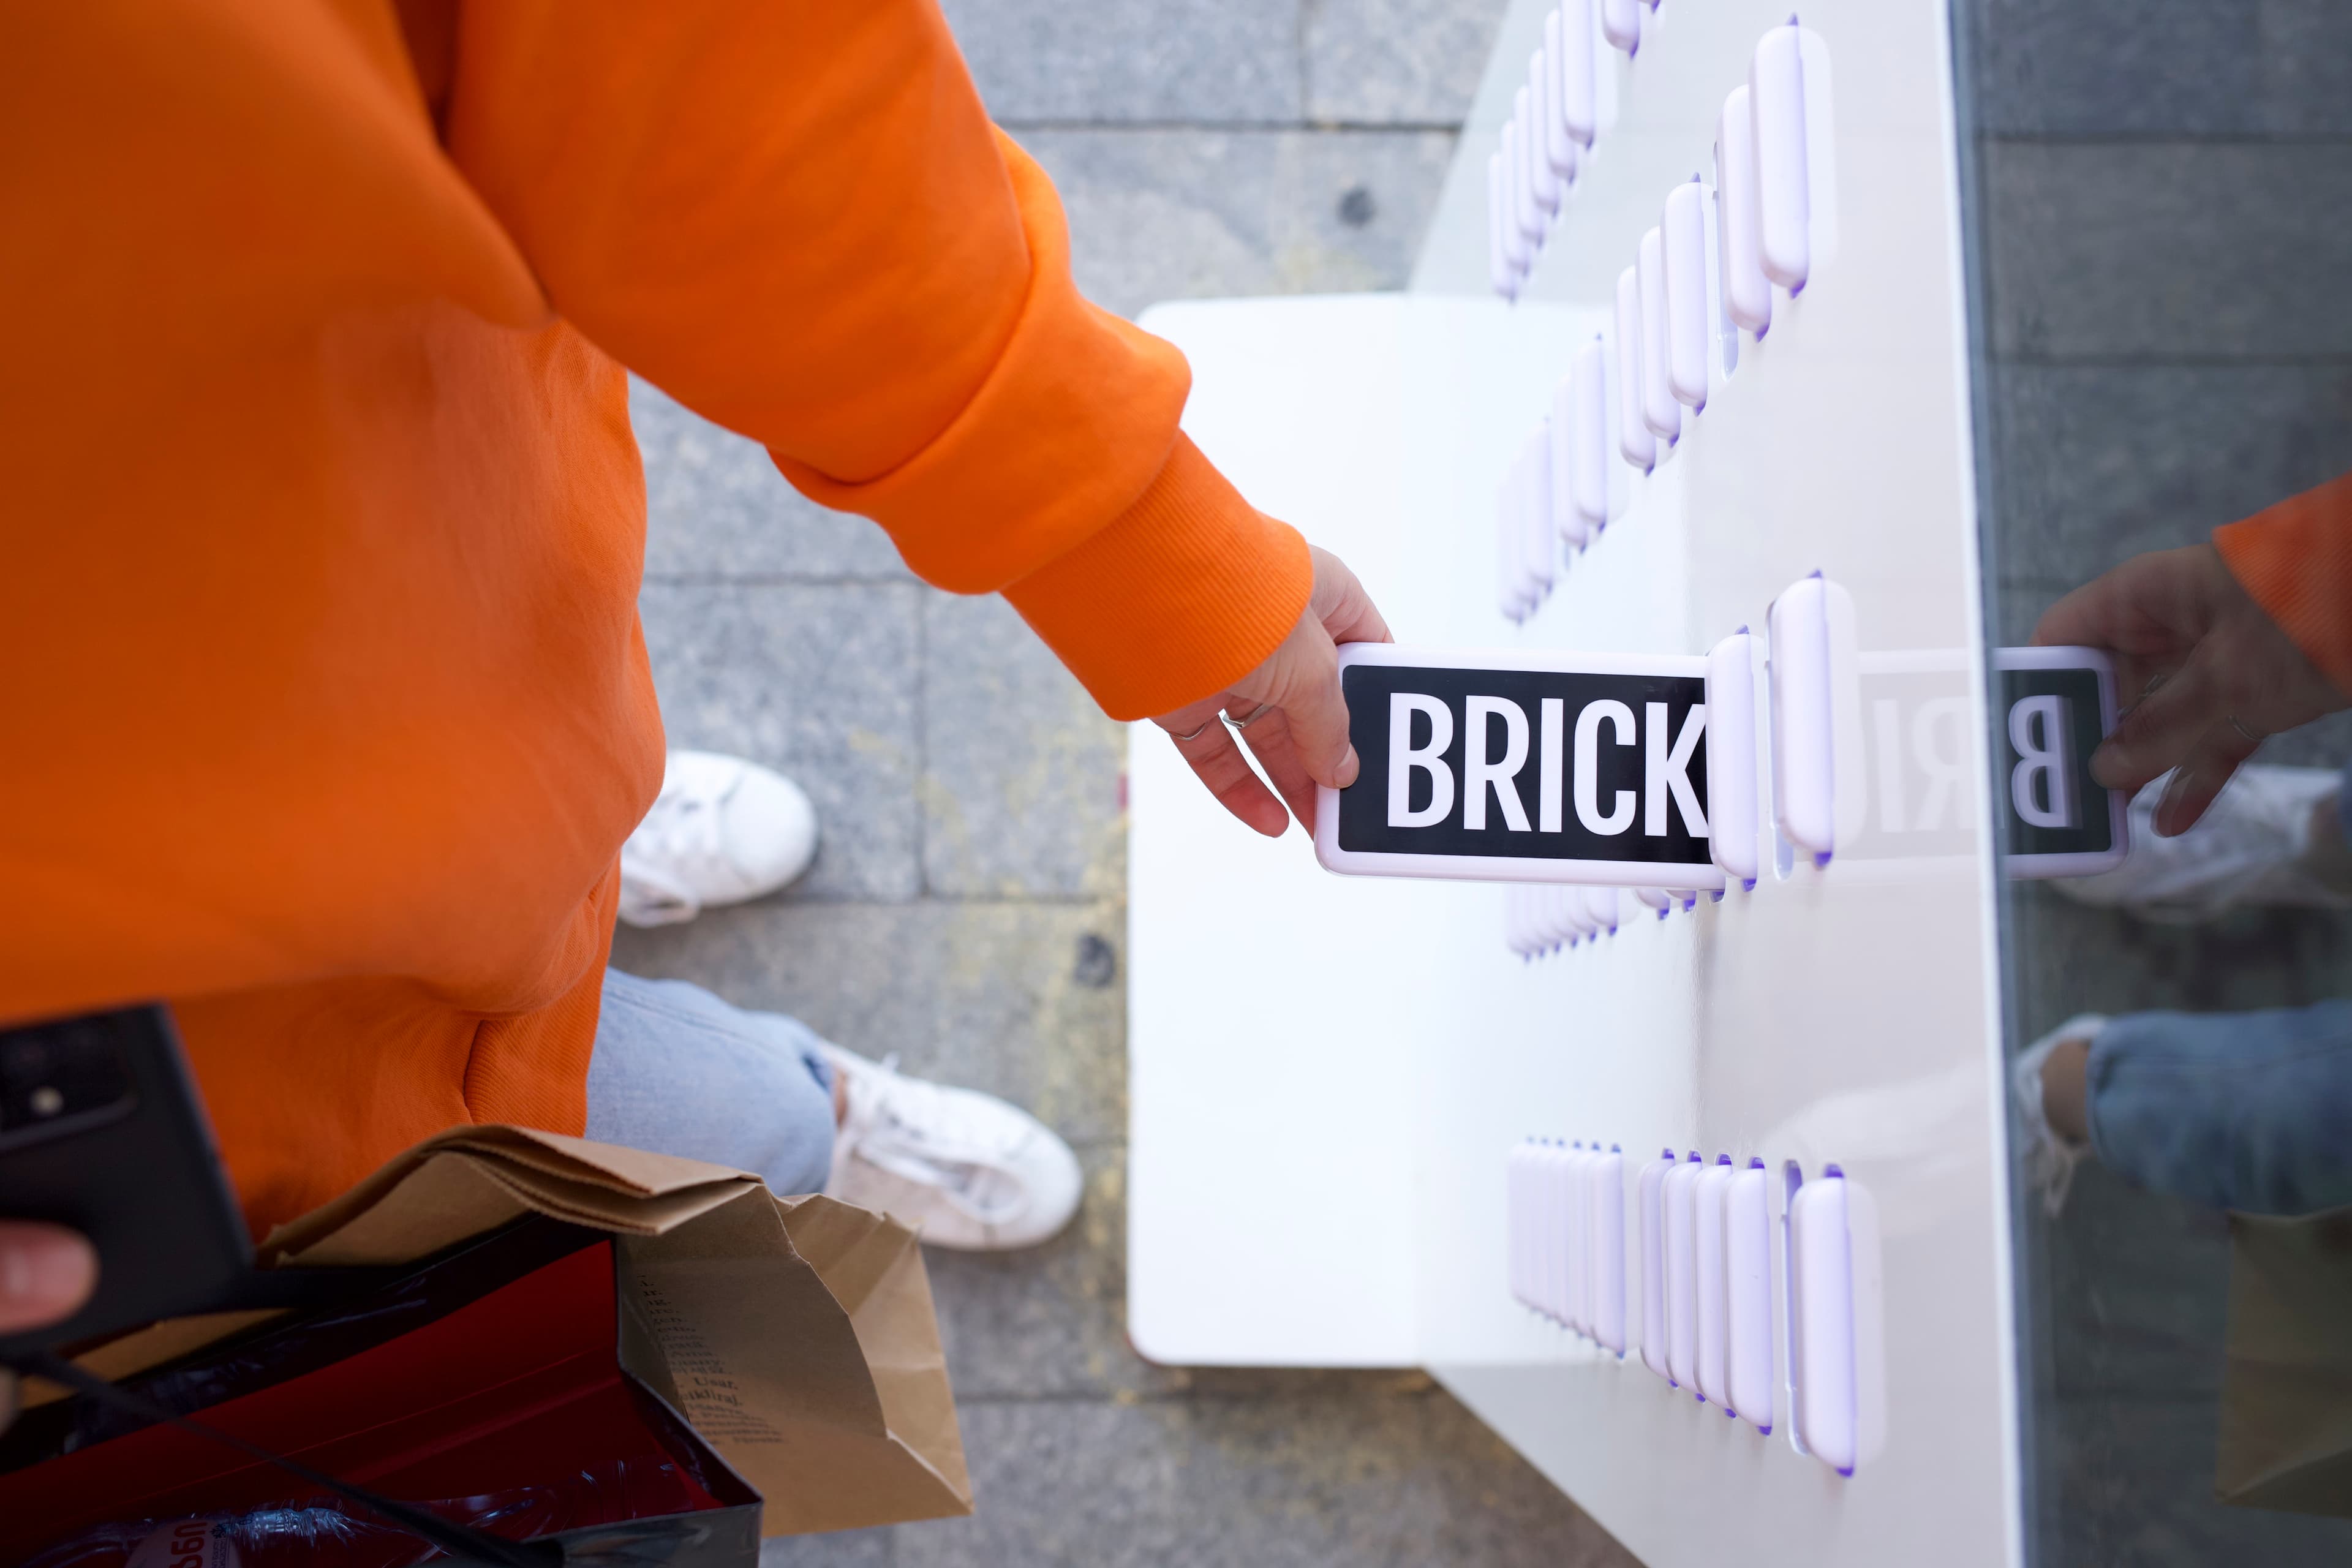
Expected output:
(922, 1134)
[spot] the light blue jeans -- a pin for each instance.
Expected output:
(677, 1071)
(2250, 1111)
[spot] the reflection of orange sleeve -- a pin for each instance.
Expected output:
(798, 220)
(2296, 559)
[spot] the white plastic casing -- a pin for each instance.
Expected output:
(1580, 94)
(1659, 410)
(1549, 181)
(1601, 903)
(1713, 1297)
(1790, 104)
(1589, 435)
(1621, 24)
(1559, 927)
(1553, 1254)
(1515, 1223)
(1731, 756)
(1747, 293)
(1523, 157)
(1567, 460)
(1748, 1293)
(1561, 145)
(1606, 1231)
(1502, 272)
(1659, 898)
(1816, 716)
(1634, 441)
(1650, 1218)
(1839, 1336)
(1576, 1193)
(1776, 96)
(1509, 593)
(1690, 322)
(1682, 1273)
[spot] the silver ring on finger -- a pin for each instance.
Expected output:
(2249, 734)
(1254, 715)
(1195, 735)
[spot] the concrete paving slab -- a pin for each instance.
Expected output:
(1021, 773)
(820, 682)
(717, 507)
(1410, 62)
(1181, 213)
(1362, 1472)
(1098, 60)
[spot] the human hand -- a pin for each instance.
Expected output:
(2204, 672)
(45, 1274)
(1293, 715)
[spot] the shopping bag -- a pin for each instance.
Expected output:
(2286, 1382)
(782, 1350)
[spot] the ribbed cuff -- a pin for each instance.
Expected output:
(1186, 591)
(2296, 560)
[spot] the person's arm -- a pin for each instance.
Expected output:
(798, 221)
(2219, 645)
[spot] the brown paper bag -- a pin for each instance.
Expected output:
(2287, 1385)
(797, 1335)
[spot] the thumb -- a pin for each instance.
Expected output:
(46, 1272)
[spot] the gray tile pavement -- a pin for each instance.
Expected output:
(1095, 61)
(820, 681)
(1184, 212)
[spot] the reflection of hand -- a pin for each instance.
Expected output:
(45, 1273)
(2205, 671)
(1300, 735)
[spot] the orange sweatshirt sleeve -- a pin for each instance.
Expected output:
(2296, 560)
(798, 220)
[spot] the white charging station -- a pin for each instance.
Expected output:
(1706, 1214)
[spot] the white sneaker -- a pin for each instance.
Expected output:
(965, 1169)
(723, 830)
(2249, 847)
(2049, 1158)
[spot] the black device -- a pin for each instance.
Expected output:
(101, 1130)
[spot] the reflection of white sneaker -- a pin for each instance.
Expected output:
(722, 830)
(2048, 1159)
(2249, 847)
(964, 1168)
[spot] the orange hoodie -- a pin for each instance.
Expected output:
(327, 706)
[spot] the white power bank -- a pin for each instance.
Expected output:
(1660, 411)
(1748, 1293)
(1713, 1297)
(1747, 293)
(1690, 323)
(1682, 1273)
(1651, 1219)
(1634, 441)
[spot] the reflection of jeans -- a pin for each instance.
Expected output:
(677, 1071)
(2244, 1110)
